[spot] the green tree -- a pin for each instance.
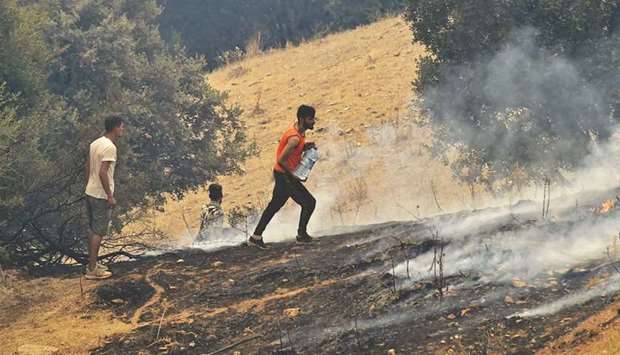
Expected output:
(516, 85)
(100, 57)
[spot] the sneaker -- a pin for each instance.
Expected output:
(257, 242)
(97, 274)
(102, 267)
(304, 238)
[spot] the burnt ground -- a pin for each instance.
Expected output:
(339, 296)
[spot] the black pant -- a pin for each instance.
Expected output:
(286, 187)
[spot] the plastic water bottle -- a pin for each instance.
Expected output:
(308, 159)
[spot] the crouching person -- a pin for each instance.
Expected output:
(212, 214)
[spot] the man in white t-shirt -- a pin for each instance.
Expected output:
(100, 192)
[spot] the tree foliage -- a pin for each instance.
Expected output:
(66, 66)
(211, 27)
(519, 89)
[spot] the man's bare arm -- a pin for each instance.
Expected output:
(105, 182)
(288, 149)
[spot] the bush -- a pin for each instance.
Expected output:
(100, 58)
(230, 56)
(517, 86)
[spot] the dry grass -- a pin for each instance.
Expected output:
(605, 327)
(52, 311)
(356, 80)
(253, 48)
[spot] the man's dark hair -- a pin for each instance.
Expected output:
(112, 122)
(215, 192)
(305, 111)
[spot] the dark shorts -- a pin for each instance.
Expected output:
(99, 215)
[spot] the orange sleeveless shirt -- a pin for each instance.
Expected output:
(295, 157)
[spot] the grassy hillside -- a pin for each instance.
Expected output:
(357, 80)
(360, 83)
(374, 167)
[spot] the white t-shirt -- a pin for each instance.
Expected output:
(102, 149)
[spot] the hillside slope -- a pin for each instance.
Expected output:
(360, 83)
(507, 290)
(350, 292)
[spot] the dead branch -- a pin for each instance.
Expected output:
(357, 338)
(153, 343)
(280, 335)
(415, 216)
(604, 265)
(435, 196)
(358, 194)
(297, 262)
(38, 215)
(403, 247)
(464, 275)
(546, 198)
(340, 207)
(118, 253)
(407, 256)
(189, 230)
(400, 242)
(48, 244)
(393, 275)
(161, 320)
(437, 263)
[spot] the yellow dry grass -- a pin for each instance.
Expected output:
(357, 80)
(605, 329)
(53, 312)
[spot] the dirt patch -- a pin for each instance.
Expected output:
(125, 297)
(156, 296)
(52, 311)
(280, 294)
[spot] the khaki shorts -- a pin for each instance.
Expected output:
(99, 215)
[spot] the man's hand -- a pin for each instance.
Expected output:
(309, 145)
(292, 176)
(111, 201)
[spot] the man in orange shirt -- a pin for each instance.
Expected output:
(288, 155)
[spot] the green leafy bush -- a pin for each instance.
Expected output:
(70, 64)
(519, 89)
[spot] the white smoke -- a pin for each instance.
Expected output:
(397, 171)
(607, 287)
(400, 317)
(524, 254)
